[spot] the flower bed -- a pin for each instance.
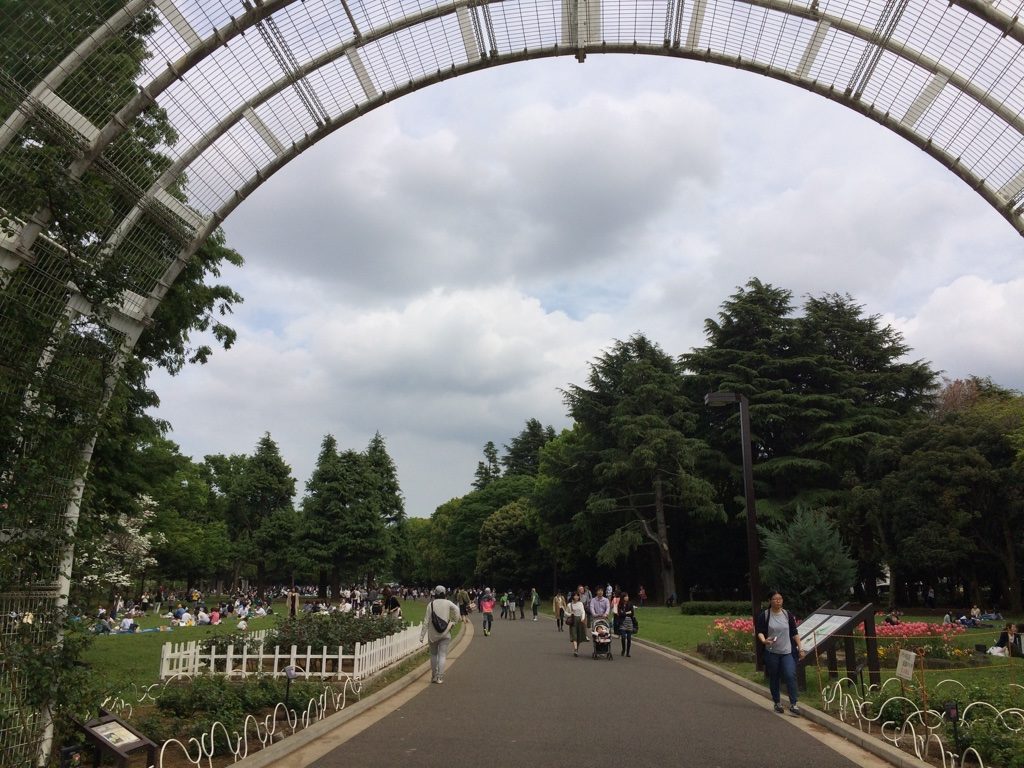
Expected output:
(933, 641)
(727, 636)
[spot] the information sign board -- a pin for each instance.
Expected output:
(811, 623)
(116, 734)
(905, 665)
(822, 631)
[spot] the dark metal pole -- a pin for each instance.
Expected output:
(753, 557)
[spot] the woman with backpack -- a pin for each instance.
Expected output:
(776, 631)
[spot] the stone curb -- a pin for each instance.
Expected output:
(275, 752)
(856, 736)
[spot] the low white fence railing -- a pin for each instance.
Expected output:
(366, 659)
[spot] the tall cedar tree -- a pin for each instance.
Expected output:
(522, 453)
(823, 390)
(488, 470)
(640, 426)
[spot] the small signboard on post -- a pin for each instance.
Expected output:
(905, 665)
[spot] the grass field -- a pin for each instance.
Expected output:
(135, 658)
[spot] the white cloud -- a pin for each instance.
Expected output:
(972, 326)
(438, 269)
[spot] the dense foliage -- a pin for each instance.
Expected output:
(896, 473)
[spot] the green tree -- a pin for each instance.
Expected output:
(488, 470)
(950, 490)
(346, 531)
(824, 388)
(388, 498)
(420, 563)
(361, 535)
(457, 524)
(807, 561)
(508, 553)
(640, 424)
(253, 489)
(565, 480)
(522, 454)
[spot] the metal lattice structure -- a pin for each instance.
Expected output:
(244, 86)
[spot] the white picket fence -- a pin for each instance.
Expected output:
(365, 660)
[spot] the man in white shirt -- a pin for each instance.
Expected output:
(202, 618)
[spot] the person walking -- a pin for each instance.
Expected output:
(534, 602)
(776, 630)
(462, 598)
(437, 628)
(599, 606)
(576, 620)
(627, 623)
(487, 610)
(558, 607)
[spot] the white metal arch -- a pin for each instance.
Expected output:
(250, 84)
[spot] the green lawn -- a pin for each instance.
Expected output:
(135, 658)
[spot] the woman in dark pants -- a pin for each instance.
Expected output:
(776, 630)
(626, 623)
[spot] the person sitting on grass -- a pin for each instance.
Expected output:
(128, 624)
(1006, 643)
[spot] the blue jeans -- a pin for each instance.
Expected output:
(779, 665)
(488, 620)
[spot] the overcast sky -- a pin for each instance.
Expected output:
(438, 269)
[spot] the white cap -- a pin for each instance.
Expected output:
(438, 590)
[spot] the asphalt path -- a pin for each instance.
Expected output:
(519, 697)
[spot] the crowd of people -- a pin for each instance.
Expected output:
(191, 607)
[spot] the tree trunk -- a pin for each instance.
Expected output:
(668, 571)
(335, 584)
(1010, 567)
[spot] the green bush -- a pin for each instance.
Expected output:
(332, 630)
(715, 608)
(188, 710)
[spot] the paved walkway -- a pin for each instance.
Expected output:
(520, 698)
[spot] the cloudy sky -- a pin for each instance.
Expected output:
(437, 270)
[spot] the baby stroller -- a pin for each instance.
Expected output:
(601, 637)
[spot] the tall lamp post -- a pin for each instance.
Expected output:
(718, 399)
